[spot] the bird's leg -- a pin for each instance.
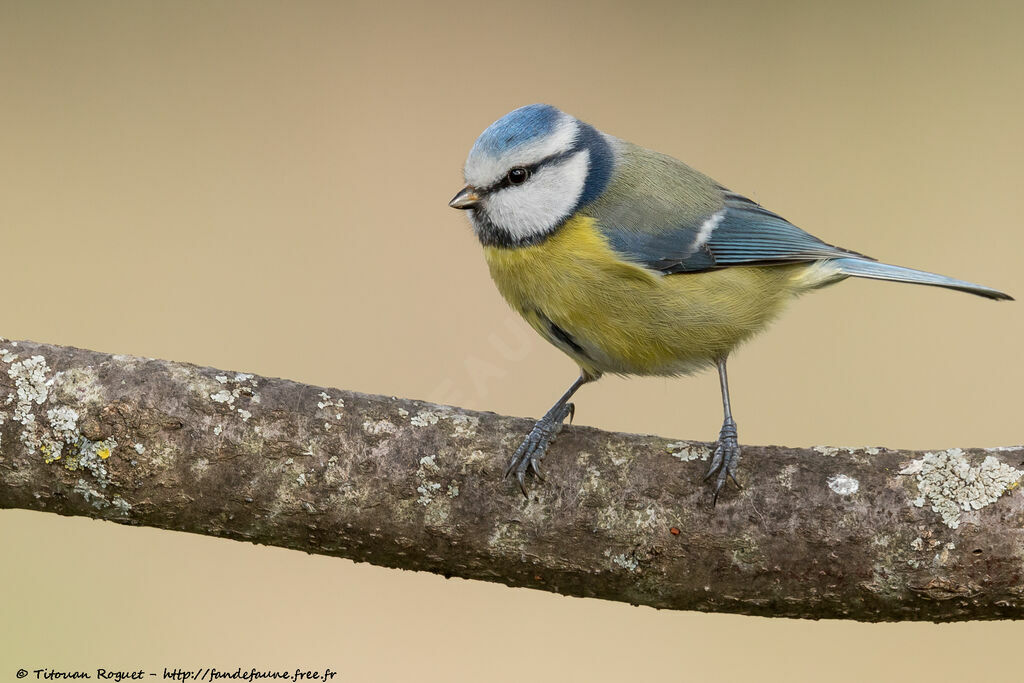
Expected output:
(727, 450)
(531, 450)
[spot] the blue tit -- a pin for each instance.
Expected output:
(633, 263)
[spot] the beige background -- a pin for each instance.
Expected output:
(263, 187)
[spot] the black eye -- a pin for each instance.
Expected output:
(518, 176)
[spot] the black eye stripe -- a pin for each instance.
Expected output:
(530, 169)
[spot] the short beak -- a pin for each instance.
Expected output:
(467, 198)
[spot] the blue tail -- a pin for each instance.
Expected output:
(883, 271)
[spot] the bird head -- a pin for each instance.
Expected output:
(531, 170)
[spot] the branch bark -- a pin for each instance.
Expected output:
(867, 534)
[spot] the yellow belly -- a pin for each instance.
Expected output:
(611, 316)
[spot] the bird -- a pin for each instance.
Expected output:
(633, 263)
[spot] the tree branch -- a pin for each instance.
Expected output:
(869, 534)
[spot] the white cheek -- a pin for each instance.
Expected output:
(546, 199)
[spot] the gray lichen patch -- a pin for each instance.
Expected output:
(332, 410)
(64, 421)
(686, 451)
(30, 382)
(785, 476)
(328, 403)
(648, 519)
(464, 426)
(509, 538)
(91, 456)
(80, 386)
(952, 485)
(232, 391)
(55, 433)
(832, 451)
(425, 418)
(64, 425)
(91, 495)
(843, 485)
(379, 427)
(431, 495)
(427, 488)
(627, 562)
(223, 396)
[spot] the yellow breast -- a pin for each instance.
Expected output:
(613, 316)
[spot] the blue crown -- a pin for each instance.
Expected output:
(516, 128)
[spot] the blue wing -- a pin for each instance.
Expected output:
(743, 232)
(662, 214)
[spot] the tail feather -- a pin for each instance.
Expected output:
(883, 271)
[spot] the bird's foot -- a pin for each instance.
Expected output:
(725, 458)
(531, 451)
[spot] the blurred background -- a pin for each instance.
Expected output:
(262, 187)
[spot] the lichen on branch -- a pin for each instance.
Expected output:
(861, 533)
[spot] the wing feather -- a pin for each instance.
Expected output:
(662, 214)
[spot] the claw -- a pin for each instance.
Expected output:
(733, 477)
(716, 462)
(535, 468)
(723, 476)
(724, 460)
(517, 455)
(531, 451)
